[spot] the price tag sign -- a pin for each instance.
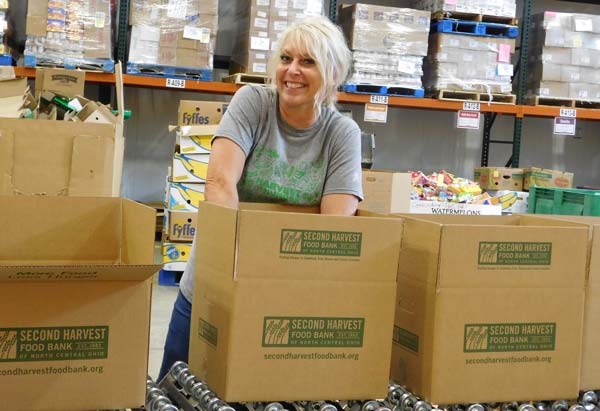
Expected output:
(564, 126)
(175, 83)
(468, 120)
(568, 112)
(471, 106)
(377, 99)
(376, 113)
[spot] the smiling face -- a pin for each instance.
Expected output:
(298, 81)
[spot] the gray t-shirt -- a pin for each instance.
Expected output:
(284, 164)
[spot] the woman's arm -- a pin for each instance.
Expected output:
(339, 204)
(224, 171)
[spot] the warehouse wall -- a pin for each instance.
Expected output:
(411, 140)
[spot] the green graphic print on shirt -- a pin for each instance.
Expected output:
(270, 179)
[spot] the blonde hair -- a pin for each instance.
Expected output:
(323, 41)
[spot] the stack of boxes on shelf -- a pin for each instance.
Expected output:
(197, 123)
(176, 33)
(388, 45)
(471, 58)
(5, 57)
(260, 25)
(564, 57)
(69, 33)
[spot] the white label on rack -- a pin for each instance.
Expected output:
(505, 69)
(505, 88)
(175, 83)
(100, 19)
(376, 113)
(259, 67)
(564, 126)
(468, 119)
(259, 43)
(471, 106)
(280, 25)
(568, 112)
(263, 23)
(281, 4)
(261, 14)
(177, 9)
(282, 13)
(407, 67)
(583, 25)
(260, 56)
(378, 99)
(201, 34)
(262, 2)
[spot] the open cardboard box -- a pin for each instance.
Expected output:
(290, 304)
(75, 288)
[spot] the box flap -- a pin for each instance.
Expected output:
(200, 130)
(138, 233)
(420, 252)
(216, 246)
(91, 166)
(512, 256)
(314, 246)
(25, 273)
(7, 141)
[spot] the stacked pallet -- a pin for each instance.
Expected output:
(388, 45)
(173, 39)
(564, 59)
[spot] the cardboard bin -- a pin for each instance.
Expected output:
(74, 302)
(489, 309)
(386, 191)
(293, 305)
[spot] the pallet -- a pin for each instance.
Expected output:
(480, 18)
(158, 70)
(473, 28)
(170, 278)
(474, 96)
(99, 65)
(6, 60)
(561, 102)
(244, 78)
(383, 90)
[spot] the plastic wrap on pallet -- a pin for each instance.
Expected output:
(469, 63)
(502, 8)
(386, 69)
(179, 33)
(565, 56)
(260, 24)
(63, 31)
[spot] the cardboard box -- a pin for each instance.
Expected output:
(271, 318)
(185, 197)
(195, 139)
(542, 177)
(170, 56)
(68, 83)
(37, 17)
(511, 201)
(499, 178)
(87, 264)
(189, 168)
(175, 256)
(385, 191)
(200, 112)
(181, 225)
(480, 308)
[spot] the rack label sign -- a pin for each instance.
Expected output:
(471, 106)
(565, 126)
(568, 112)
(313, 332)
(376, 113)
(53, 343)
(468, 119)
(379, 99)
(175, 83)
(509, 337)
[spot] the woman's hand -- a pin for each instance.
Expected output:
(224, 171)
(339, 204)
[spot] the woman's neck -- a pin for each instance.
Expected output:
(299, 118)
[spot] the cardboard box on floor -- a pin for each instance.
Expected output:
(489, 308)
(62, 157)
(293, 305)
(590, 358)
(75, 301)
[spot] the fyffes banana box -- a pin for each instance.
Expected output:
(185, 197)
(189, 168)
(175, 256)
(195, 139)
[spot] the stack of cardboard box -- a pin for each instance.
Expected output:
(260, 25)
(565, 56)
(64, 34)
(197, 123)
(173, 33)
(388, 44)
(501, 8)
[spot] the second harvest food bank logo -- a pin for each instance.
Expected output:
(53, 343)
(313, 332)
(514, 253)
(311, 242)
(509, 337)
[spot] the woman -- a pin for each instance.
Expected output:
(282, 144)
